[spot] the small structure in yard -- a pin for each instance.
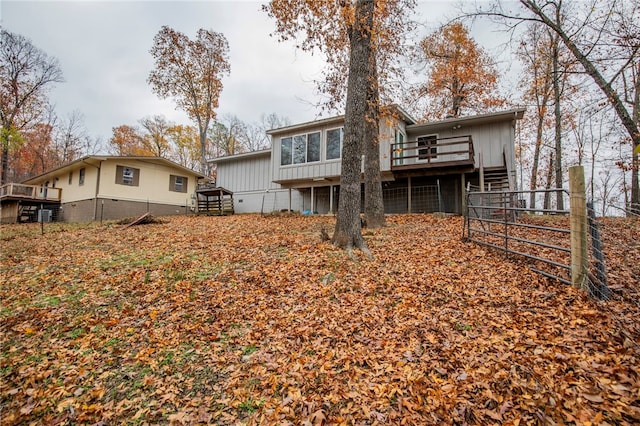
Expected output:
(214, 200)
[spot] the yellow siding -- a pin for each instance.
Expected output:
(153, 184)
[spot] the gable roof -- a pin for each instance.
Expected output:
(94, 160)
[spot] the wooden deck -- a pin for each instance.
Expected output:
(432, 153)
(18, 191)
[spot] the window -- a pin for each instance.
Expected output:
(285, 151)
(81, 177)
(334, 143)
(398, 148)
(127, 176)
(313, 147)
(70, 178)
(300, 149)
(178, 183)
(430, 151)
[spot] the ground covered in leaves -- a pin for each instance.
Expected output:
(249, 319)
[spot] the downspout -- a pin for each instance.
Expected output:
(95, 199)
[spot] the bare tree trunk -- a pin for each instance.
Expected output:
(373, 202)
(635, 159)
(547, 194)
(5, 160)
(536, 158)
(348, 231)
(558, 117)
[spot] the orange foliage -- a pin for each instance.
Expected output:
(462, 77)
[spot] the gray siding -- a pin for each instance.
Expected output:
(325, 168)
(491, 140)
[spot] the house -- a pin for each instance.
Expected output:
(425, 167)
(102, 187)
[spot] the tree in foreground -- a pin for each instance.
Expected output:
(26, 73)
(461, 78)
(191, 72)
(348, 232)
(327, 26)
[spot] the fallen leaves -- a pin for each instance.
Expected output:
(249, 319)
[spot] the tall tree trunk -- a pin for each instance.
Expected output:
(5, 161)
(635, 159)
(558, 119)
(547, 186)
(373, 202)
(536, 156)
(348, 231)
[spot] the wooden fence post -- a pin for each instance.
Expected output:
(578, 219)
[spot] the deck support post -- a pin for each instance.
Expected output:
(331, 199)
(408, 194)
(313, 204)
(289, 199)
(464, 194)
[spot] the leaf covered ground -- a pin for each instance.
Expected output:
(249, 319)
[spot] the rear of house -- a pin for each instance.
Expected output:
(424, 167)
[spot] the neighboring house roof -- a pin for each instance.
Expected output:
(94, 160)
(515, 113)
(242, 156)
(339, 119)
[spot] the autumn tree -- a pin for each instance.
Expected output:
(327, 26)
(128, 140)
(26, 73)
(461, 76)
(185, 145)
(155, 140)
(191, 72)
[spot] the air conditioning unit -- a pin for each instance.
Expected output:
(44, 215)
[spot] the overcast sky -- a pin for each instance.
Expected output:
(103, 50)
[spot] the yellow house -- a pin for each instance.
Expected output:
(102, 188)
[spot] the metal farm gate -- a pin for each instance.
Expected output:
(541, 236)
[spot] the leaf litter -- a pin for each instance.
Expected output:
(257, 320)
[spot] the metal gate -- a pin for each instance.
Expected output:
(541, 236)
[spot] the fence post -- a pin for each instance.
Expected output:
(578, 219)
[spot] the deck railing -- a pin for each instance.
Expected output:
(429, 153)
(30, 192)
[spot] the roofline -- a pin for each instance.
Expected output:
(338, 118)
(323, 121)
(240, 156)
(98, 158)
(513, 113)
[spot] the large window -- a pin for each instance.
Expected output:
(127, 176)
(300, 149)
(178, 183)
(334, 143)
